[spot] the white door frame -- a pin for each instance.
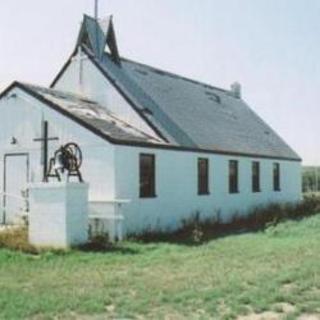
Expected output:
(5, 178)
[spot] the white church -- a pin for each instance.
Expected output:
(156, 146)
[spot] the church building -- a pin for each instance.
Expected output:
(156, 146)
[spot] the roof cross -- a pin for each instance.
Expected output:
(79, 58)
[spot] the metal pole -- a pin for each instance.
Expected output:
(96, 16)
(96, 9)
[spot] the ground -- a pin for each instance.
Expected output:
(267, 275)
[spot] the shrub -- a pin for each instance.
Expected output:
(97, 244)
(196, 230)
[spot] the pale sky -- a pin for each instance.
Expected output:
(272, 47)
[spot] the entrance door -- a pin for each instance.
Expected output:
(16, 167)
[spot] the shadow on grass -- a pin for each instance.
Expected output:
(110, 248)
(187, 237)
(101, 244)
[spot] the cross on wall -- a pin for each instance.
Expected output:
(45, 139)
(79, 59)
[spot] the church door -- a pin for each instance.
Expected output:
(16, 176)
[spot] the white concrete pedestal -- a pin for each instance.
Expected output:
(58, 214)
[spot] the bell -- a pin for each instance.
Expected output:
(58, 165)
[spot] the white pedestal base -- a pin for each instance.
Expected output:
(58, 214)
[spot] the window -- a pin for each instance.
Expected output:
(147, 176)
(203, 176)
(233, 176)
(276, 177)
(255, 176)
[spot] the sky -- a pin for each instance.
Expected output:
(272, 47)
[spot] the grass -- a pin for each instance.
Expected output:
(222, 279)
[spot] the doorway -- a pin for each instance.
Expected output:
(15, 181)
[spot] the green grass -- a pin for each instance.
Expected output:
(230, 276)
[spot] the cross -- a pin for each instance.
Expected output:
(80, 58)
(44, 147)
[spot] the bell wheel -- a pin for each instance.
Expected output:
(74, 150)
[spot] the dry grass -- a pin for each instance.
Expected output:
(16, 238)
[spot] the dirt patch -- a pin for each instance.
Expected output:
(285, 307)
(262, 316)
(288, 288)
(309, 317)
(73, 316)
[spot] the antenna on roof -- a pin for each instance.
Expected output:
(96, 9)
(96, 17)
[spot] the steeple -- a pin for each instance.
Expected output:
(96, 35)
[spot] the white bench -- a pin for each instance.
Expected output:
(106, 217)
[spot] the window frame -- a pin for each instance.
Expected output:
(256, 177)
(276, 175)
(203, 177)
(151, 192)
(234, 184)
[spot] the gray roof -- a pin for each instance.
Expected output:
(185, 113)
(192, 114)
(91, 114)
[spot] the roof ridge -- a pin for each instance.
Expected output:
(176, 75)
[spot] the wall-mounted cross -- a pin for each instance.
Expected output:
(45, 147)
(79, 59)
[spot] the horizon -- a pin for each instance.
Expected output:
(270, 48)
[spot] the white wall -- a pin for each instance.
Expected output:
(21, 118)
(95, 86)
(176, 187)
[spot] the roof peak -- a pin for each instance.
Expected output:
(97, 34)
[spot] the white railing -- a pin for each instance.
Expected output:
(21, 208)
(106, 217)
